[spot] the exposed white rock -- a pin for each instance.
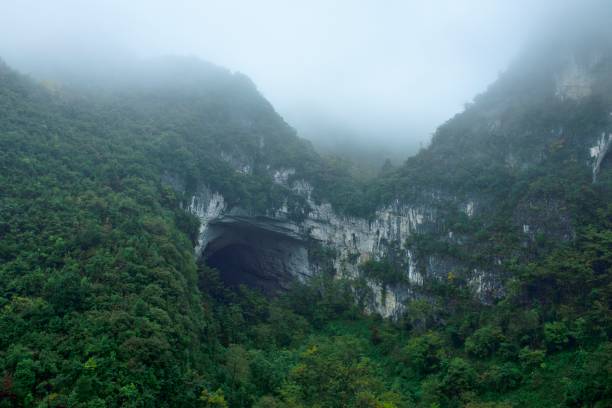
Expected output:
(206, 205)
(303, 188)
(386, 302)
(366, 238)
(483, 283)
(477, 281)
(281, 176)
(246, 169)
(469, 208)
(414, 277)
(283, 211)
(350, 235)
(599, 151)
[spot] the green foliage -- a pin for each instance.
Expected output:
(213, 399)
(556, 335)
(459, 377)
(334, 373)
(383, 272)
(484, 342)
(590, 383)
(531, 359)
(424, 354)
(422, 314)
(502, 378)
(103, 305)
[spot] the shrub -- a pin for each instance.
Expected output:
(531, 359)
(423, 354)
(591, 385)
(484, 342)
(556, 335)
(502, 378)
(460, 377)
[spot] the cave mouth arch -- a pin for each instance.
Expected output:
(259, 252)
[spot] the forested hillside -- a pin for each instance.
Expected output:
(103, 303)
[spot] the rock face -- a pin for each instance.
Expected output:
(268, 252)
(260, 252)
(207, 206)
(599, 151)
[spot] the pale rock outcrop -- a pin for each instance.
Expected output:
(599, 152)
(354, 240)
(206, 205)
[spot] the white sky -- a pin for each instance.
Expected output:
(383, 68)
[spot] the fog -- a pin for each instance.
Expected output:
(344, 71)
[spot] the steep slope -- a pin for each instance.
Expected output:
(522, 169)
(98, 283)
(97, 276)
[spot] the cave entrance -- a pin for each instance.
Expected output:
(262, 253)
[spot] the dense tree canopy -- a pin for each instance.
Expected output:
(102, 303)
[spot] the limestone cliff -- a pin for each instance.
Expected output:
(481, 177)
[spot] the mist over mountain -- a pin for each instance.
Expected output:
(389, 74)
(175, 233)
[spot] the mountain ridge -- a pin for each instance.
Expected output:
(490, 248)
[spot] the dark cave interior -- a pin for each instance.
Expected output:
(254, 255)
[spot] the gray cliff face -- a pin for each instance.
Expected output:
(273, 250)
(599, 152)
